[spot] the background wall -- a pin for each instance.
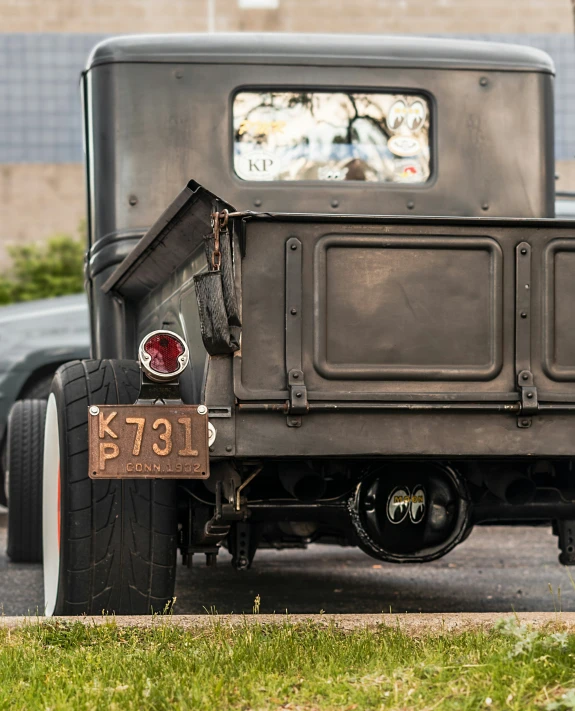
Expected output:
(44, 44)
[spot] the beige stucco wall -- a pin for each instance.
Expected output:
(38, 201)
(397, 16)
(565, 171)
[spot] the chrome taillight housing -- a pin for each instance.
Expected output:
(163, 355)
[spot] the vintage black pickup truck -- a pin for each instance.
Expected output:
(329, 302)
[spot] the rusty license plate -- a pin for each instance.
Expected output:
(148, 442)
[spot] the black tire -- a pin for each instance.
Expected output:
(117, 538)
(37, 390)
(25, 452)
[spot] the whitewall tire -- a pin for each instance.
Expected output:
(51, 507)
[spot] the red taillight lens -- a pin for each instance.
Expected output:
(164, 351)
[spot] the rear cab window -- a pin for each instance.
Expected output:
(318, 136)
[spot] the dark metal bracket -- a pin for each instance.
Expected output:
(525, 382)
(565, 530)
(297, 404)
(529, 403)
(153, 393)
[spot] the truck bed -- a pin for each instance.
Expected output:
(407, 336)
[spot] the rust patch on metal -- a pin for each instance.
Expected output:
(148, 442)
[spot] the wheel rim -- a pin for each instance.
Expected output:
(51, 507)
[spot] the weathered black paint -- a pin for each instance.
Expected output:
(158, 112)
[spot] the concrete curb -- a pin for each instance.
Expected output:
(413, 623)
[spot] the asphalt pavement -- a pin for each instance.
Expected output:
(497, 569)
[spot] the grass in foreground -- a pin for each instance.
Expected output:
(55, 665)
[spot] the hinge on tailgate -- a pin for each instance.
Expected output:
(523, 335)
(297, 404)
(529, 403)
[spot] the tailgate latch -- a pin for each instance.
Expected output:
(298, 404)
(529, 402)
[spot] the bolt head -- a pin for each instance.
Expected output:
(229, 448)
(94, 410)
(298, 394)
(202, 410)
(523, 251)
(133, 200)
(524, 376)
(483, 81)
(525, 423)
(410, 205)
(257, 202)
(524, 314)
(530, 396)
(293, 246)
(293, 312)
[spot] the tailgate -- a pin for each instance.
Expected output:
(405, 310)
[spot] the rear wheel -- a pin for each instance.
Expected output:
(25, 440)
(109, 545)
(38, 389)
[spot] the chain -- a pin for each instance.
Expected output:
(219, 224)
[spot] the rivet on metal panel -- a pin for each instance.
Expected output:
(133, 200)
(178, 73)
(335, 203)
(229, 448)
(257, 202)
(524, 251)
(293, 312)
(293, 246)
(410, 204)
(484, 81)
(485, 206)
(523, 314)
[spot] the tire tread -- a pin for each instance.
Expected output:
(111, 523)
(25, 453)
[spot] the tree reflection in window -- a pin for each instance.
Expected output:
(380, 137)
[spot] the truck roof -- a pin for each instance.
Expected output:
(321, 50)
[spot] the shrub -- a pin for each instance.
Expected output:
(39, 271)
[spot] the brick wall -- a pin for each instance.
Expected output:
(394, 16)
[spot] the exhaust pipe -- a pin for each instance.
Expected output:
(512, 487)
(303, 483)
